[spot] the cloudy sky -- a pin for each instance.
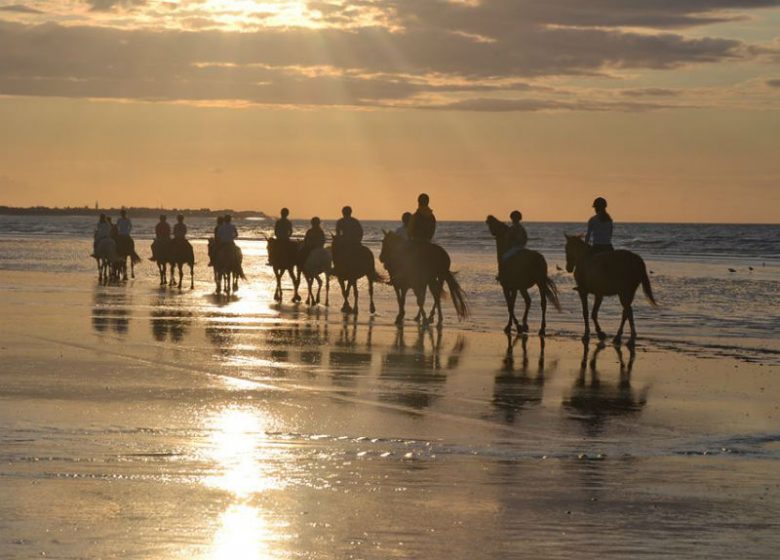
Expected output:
(669, 108)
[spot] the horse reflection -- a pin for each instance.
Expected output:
(348, 357)
(110, 310)
(413, 375)
(169, 323)
(596, 402)
(515, 388)
(296, 343)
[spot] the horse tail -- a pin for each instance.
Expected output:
(458, 296)
(646, 285)
(551, 291)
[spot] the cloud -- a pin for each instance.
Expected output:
(650, 92)
(103, 5)
(534, 105)
(437, 53)
(20, 9)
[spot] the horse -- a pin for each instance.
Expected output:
(283, 256)
(521, 272)
(180, 253)
(317, 262)
(108, 260)
(227, 268)
(125, 246)
(420, 267)
(352, 261)
(161, 255)
(607, 274)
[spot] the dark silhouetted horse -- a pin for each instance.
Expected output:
(228, 268)
(283, 256)
(108, 260)
(420, 267)
(180, 253)
(522, 271)
(611, 273)
(316, 263)
(125, 246)
(351, 262)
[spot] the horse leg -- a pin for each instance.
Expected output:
(436, 292)
(628, 314)
(124, 267)
(296, 298)
(278, 290)
(510, 296)
(132, 267)
(180, 266)
(345, 294)
(192, 276)
(173, 274)
(420, 294)
(527, 300)
(327, 289)
(353, 283)
(584, 301)
(400, 296)
(319, 289)
(371, 307)
(595, 316)
(543, 296)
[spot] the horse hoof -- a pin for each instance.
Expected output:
(524, 328)
(372, 309)
(617, 340)
(508, 329)
(586, 337)
(602, 335)
(631, 342)
(542, 332)
(399, 321)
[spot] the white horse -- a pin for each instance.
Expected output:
(108, 260)
(318, 262)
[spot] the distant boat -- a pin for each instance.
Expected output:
(732, 270)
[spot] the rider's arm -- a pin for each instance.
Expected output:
(590, 231)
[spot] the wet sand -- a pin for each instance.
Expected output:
(144, 423)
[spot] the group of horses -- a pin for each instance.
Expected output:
(421, 267)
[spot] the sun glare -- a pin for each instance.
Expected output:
(240, 14)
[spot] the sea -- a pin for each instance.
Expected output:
(718, 285)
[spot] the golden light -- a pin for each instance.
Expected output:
(240, 14)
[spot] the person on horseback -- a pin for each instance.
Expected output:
(422, 225)
(599, 234)
(179, 228)
(516, 236)
(102, 231)
(213, 240)
(314, 239)
(114, 230)
(162, 236)
(348, 229)
(283, 227)
(227, 232)
(123, 225)
(402, 231)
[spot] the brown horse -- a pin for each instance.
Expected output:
(283, 256)
(519, 273)
(351, 262)
(227, 268)
(420, 267)
(125, 246)
(612, 273)
(180, 253)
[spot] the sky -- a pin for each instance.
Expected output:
(670, 109)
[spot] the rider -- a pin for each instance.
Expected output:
(348, 229)
(102, 231)
(422, 225)
(516, 237)
(162, 235)
(314, 239)
(227, 232)
(213, 241)
(123, 225)
(283, 227)
(402, 231)
(600, 228)
(179, 229)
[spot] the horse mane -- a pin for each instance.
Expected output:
(496, 224)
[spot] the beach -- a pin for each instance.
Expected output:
(148, 422)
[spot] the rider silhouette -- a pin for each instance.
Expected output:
(162, 235)
(422, 225)
(402, 231)
(516, 236)
(600, 228)
(314, 239)
(283, 227)
(348, 229)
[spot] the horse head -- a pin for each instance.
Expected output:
(576, 248)
(389, 243)
(497, 227)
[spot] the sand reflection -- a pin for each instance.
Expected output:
(111, 310)
(244, 468)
